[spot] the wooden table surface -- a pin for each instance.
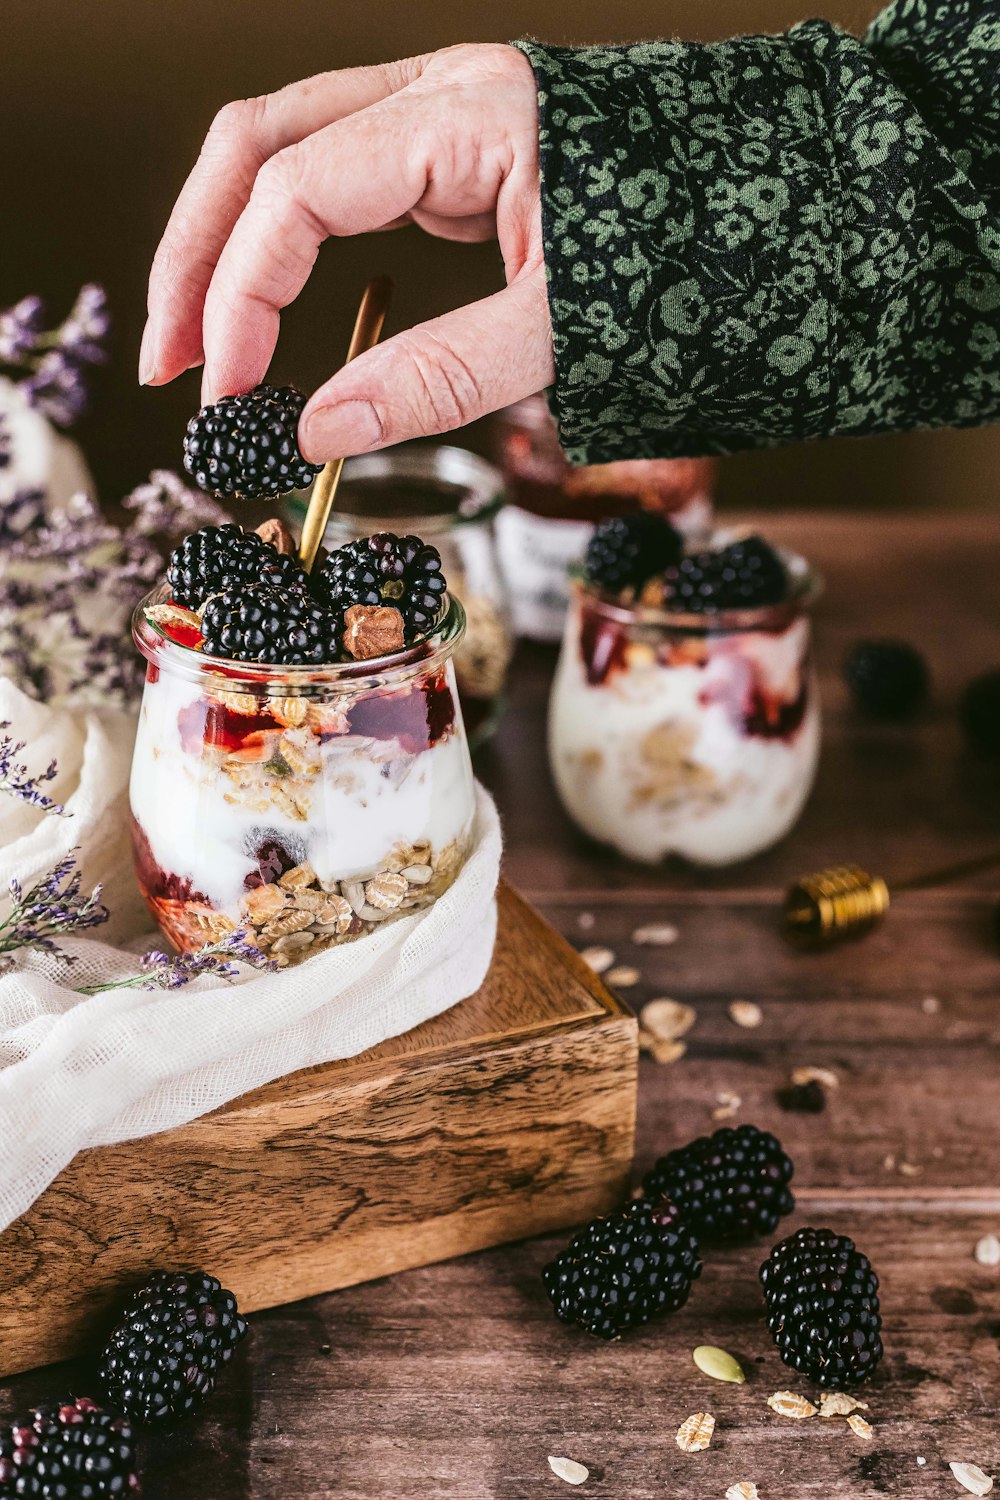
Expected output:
(456, 1380)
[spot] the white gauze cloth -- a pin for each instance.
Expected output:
(79, 1071)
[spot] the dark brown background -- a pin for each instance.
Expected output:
(103, 106)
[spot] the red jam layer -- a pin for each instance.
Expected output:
(156, 883)
(754, 708)
(418, 716)
(208, 722)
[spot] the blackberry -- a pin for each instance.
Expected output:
(274, 626)
(624, 1270)
(247, 446)
(747, 574)
(400, 571)
(227, 557)
(71, 1452)
(732, 1185)
(625, 551)
(175, 1332)
(980, 712)
(822, 1307)
(887, 679)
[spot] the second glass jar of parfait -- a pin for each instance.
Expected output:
(306, 805)
(688, 735)
(449, 497)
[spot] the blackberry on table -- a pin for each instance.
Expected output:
(980, 712)
(624, 1270)
(274, 626)
(887, 679)
(175, 1334)
(732, 1185)
(625, 551)
(71, 1452)
(748, 574)
(822, 1307)
(399, 571)
(247, 446)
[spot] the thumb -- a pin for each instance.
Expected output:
(437, 376)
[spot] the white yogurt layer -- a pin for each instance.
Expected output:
(367, 796)
(656, 761)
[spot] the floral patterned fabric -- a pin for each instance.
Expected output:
(774, 237)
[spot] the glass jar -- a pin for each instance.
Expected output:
(686, 735)
(450, 498)
(552, 509)
(305, 804)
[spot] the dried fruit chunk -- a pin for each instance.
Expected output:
(787, 1404)
(860, 1427)
(568, 1469)
(694, 1435)
(972, 1478)
(718, 1364)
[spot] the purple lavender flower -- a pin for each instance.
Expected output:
(168, 508)
(88, 325)
(20, 330)
(15, 779)
(54, 907)
(54, 360)
(56, 388)
(165, 971)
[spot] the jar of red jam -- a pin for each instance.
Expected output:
(552, 508)
(308, 805)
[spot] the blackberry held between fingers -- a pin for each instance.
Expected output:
(399, 571)
(624, 1270)
(248, 446)
(822, 1307)
(732, 1185)
(273, 626)
(748, 574)
(887, 679)
(175, 1334)
(625, 551)
(71, 1452)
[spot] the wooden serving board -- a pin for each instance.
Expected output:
(511, 1114)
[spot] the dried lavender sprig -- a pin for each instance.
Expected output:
(53, 907)
(53, 360)
(166, 971)
(16, 781)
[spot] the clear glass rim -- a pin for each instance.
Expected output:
(157, 647)
(807, 586)
(428, 463)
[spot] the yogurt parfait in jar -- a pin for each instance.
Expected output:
(684, 717)
(301, 769)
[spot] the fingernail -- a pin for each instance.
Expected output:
(341, 430)
(147, 364)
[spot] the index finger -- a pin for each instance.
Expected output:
(244, 135)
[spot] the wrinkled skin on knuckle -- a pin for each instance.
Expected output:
(443, 392)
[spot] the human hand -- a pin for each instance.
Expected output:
(448, 141)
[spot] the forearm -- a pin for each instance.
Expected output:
(773, 238)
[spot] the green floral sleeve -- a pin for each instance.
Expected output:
(775, 237)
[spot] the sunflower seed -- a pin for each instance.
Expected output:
(568, 1469)
(718, 1364)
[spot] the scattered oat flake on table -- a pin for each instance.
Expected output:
(909, 1169)
(667, 1019)
(598, 959)
(745, 1013)
(988, 1250)
(839, 1404)
(727, 1106)
(972, 1478)
(745, 1490)
(655, 935)
(787, 1404)
(662, 1052)
(860, 1427)
(718, 1364)
(930, 1005)
(568, 1469)
(824, 1076)
(623, 978)
(586, 920)
(694, 1435)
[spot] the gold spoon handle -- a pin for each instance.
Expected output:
(367, 328)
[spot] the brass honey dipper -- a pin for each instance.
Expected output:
(846, 901)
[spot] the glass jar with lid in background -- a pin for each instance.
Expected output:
(451, 498)
(552, 509)
(688, 735)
